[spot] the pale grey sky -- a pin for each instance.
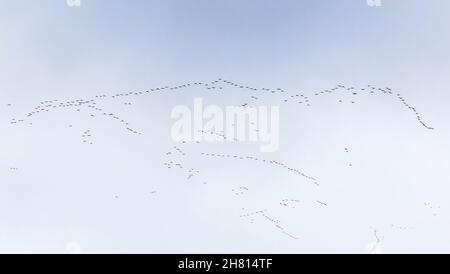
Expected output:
(117, 195)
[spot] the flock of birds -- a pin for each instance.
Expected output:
(91, 105)
(86, 137)
(433, 208)
(179, 159)
(259, 160)
(291, 203)
(262, 214)
(181, 155)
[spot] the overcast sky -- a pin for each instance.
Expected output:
(117, 196)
